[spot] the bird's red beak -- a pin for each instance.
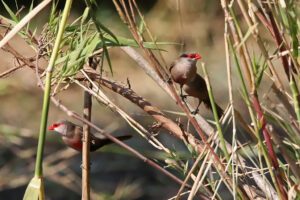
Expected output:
(51, 127)
(198, 57)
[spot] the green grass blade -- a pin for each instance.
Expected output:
(10, 12)
(34, 189)
(247, 35)
(102, 27)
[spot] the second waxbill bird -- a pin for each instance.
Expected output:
(72, 136)
(184, 69)
(197, 88)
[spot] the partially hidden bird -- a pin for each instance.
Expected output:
(197, 88)
(72, 136)
(184, 72)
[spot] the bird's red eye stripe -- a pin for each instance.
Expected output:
(53, 126)
(194, 56)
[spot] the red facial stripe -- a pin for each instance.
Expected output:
(53, 126)
(194, 56)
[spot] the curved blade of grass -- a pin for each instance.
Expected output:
(122, 41)
(10, 12)
(247, 35)
(106, 30)
(260, 75)
(10, 21)
(30, 9)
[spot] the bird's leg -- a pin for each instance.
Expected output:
(183, 97)
(197, 108)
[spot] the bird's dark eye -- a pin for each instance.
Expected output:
(57, 125)
(194, 56)
(184, 55)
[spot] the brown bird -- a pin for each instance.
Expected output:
(72, 136)
(184, 69)
(197, 88)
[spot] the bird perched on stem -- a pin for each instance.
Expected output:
(184, 69)
(72, 136)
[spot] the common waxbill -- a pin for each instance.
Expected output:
(72, 136)
(197, 88)
(184, 69)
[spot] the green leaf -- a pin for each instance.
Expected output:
(106, 54)
(259, 78)
(284, 17)
(141, 27)
(186, 167)
(30, 9)
(78, 54)
(13, 23)
(34, 31)
(130, 42)
(33, 189)
(85, 15)
(10, 12)
(254, 64)
(293, 31)
(102, 27)
(247, 35)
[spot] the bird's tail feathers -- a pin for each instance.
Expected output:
(219, 109)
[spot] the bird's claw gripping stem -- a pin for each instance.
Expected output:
(183, 97)
(195, 111)
(169, 81)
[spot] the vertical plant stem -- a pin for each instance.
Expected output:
(86, 147)
(271, 151)
(276, 178)
(231, 102)
(87, 114)
(253, 118)
(87, 105)
(44, 118)
(233, 24)
(214, 109)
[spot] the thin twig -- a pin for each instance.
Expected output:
(3, 74)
